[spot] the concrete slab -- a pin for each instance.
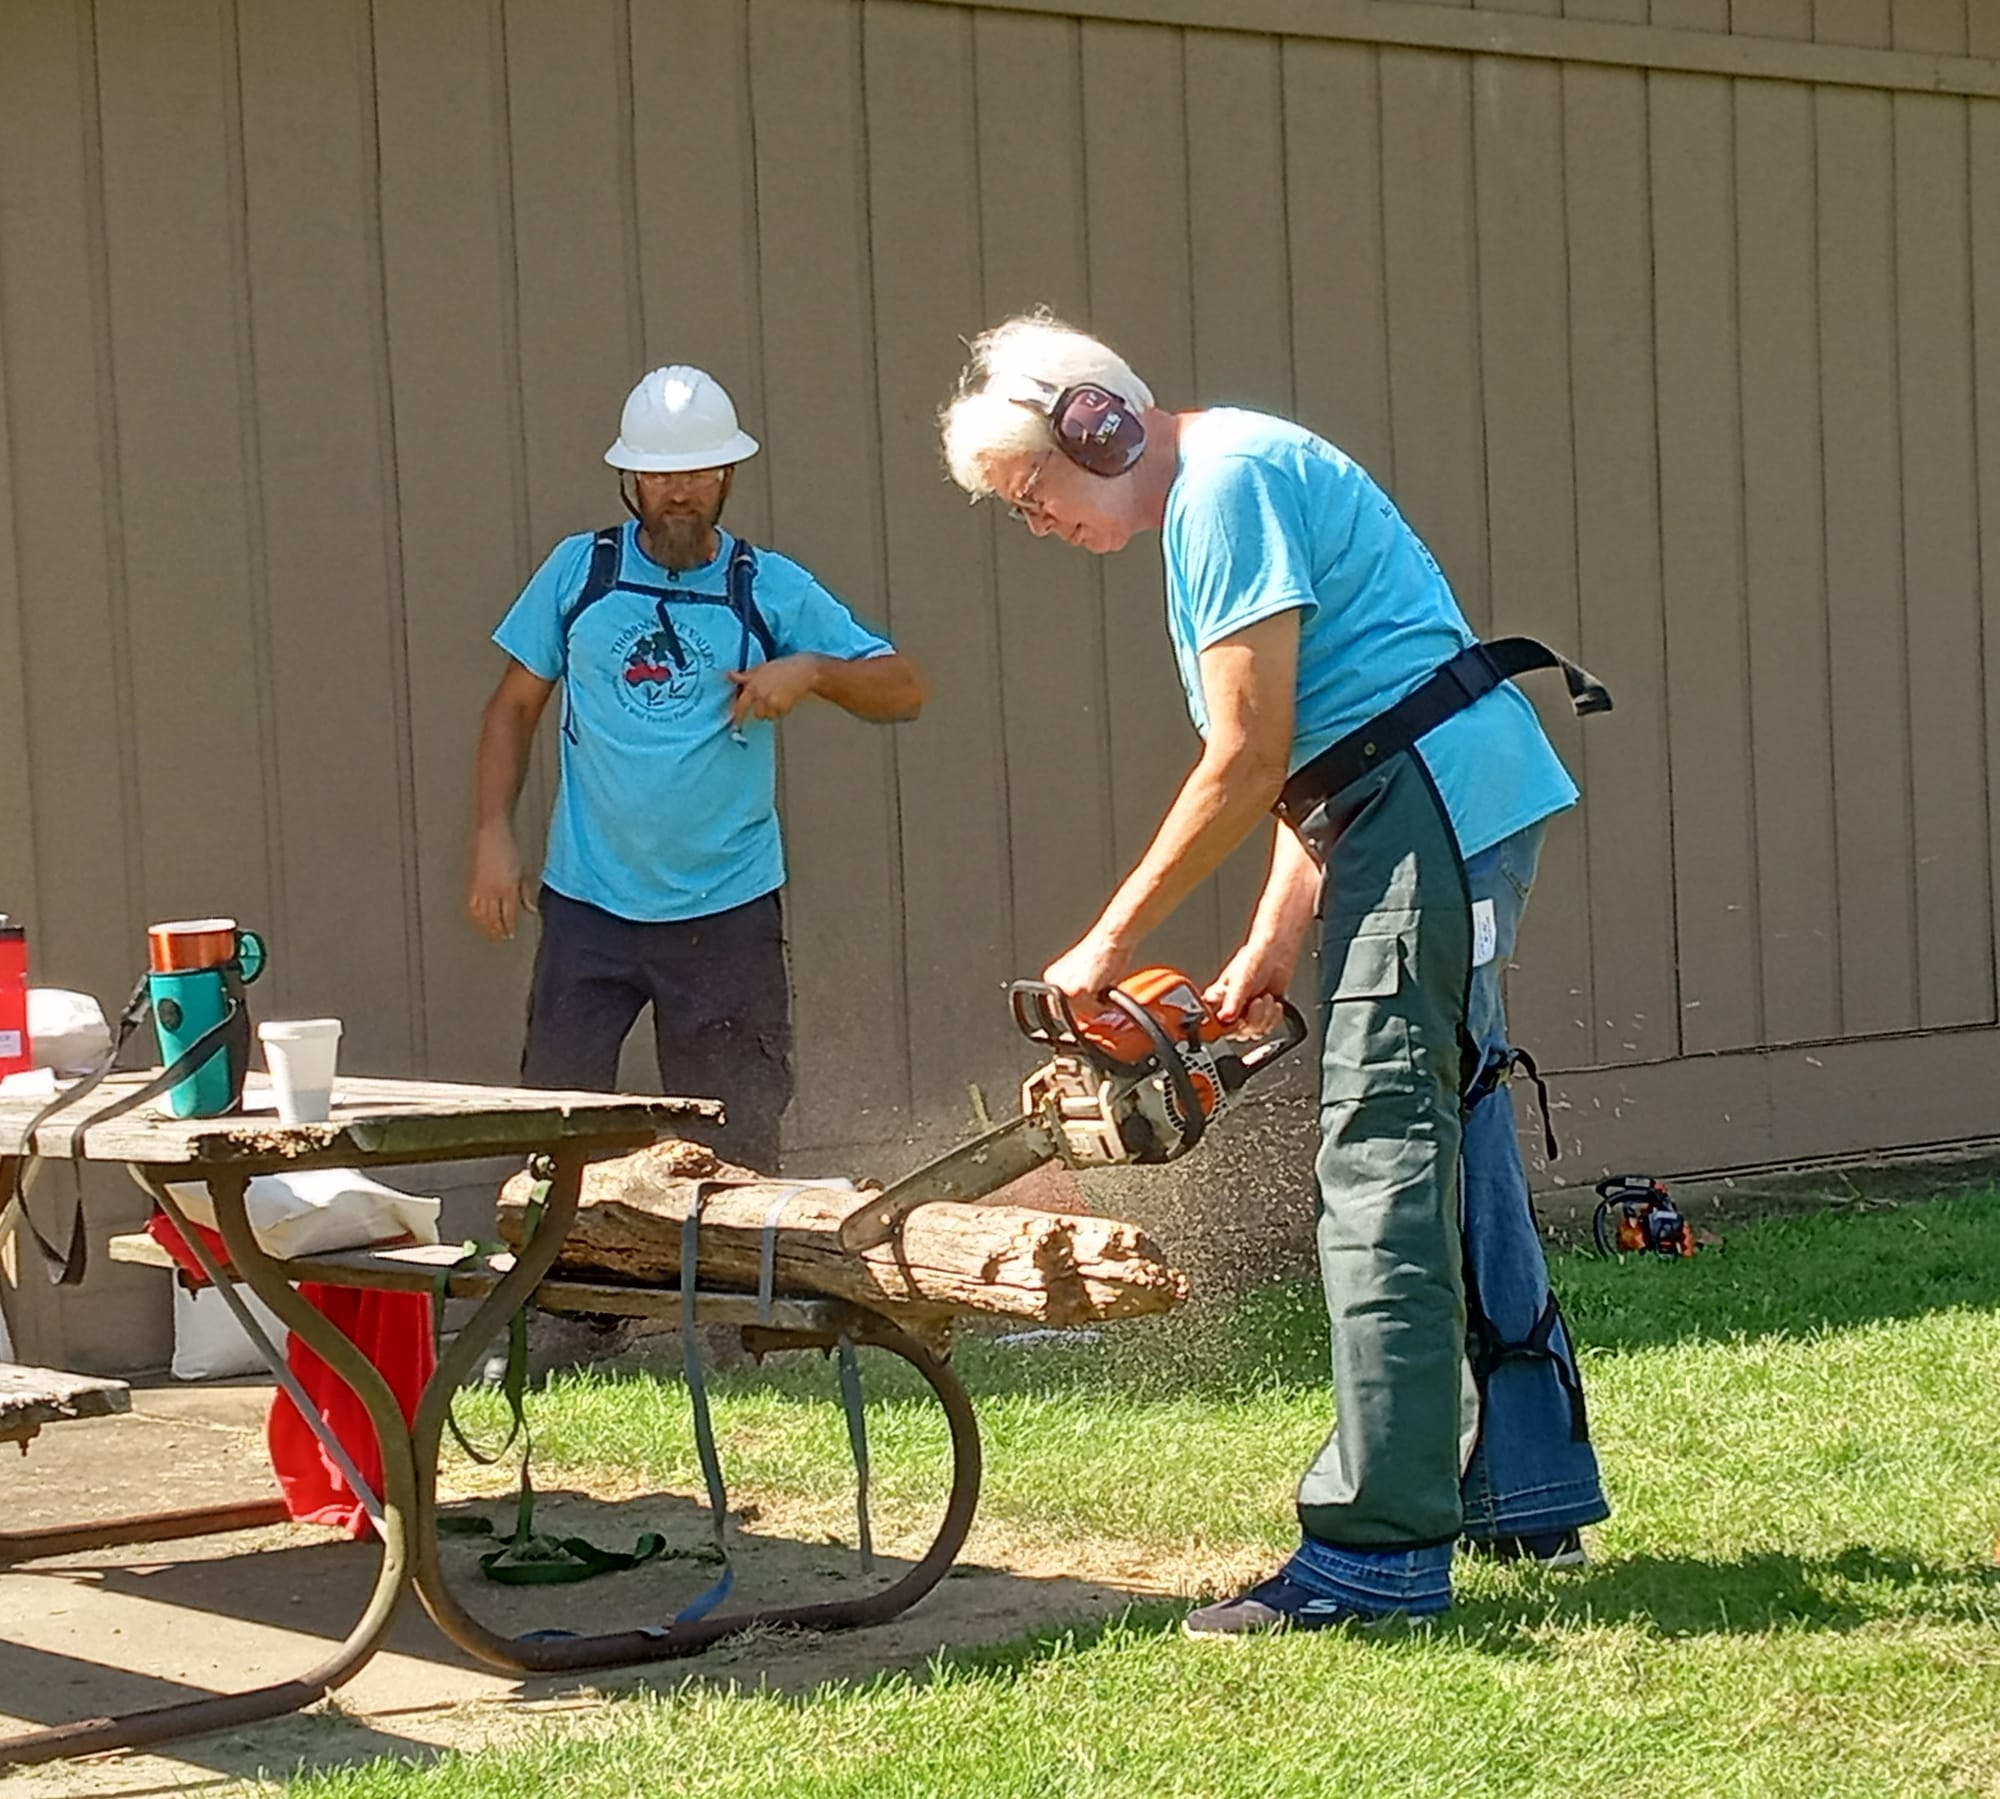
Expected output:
(112, 1630)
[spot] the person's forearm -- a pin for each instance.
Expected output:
(500, 767)
(1290, 898)
(882, 689)
(1219, 804)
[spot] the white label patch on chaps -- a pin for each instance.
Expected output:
(1485, 933)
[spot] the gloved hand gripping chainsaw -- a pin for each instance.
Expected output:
(1139, 1081)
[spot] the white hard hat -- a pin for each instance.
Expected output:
(679, 418)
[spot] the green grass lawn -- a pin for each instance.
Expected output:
(1796, 1594)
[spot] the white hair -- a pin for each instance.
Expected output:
(1020, 360)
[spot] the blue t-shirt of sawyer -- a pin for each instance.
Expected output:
(1264, 517)
(662, 811)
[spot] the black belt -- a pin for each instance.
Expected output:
(1470, 675)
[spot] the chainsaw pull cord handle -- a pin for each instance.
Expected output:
(1167, 1054)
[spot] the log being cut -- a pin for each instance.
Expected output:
(943, 1260)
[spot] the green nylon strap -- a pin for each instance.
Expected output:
(529, 1559)
(526, 1557)
(514, 1377)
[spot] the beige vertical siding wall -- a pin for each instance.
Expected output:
(1675, 330)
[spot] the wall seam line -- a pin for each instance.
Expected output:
(256, 523)
(417, 1010)
(117, 559)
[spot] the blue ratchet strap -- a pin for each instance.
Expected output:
(704, 1425)
(767, 1250)
(850, 1366)
(857, 1437)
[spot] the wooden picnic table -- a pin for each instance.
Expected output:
(373, 1121)
(33, 1397)
(378, 1123)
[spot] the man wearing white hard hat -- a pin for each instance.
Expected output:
(679, 647)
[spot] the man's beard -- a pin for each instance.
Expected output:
(679, 540)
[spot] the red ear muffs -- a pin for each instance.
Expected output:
(1092, 426)
(1096, 430)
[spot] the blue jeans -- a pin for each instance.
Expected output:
(1529, 1469)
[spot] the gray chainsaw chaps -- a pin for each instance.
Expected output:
(1395, 969)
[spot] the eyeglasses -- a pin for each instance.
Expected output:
(686, 477)
(1025, 508)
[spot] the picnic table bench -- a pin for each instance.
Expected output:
(378, 1123)
(33, 1397)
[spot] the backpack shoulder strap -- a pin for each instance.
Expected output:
(743, 597)
(605, 551)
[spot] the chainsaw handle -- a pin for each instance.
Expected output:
(1255, 1061)
(1167, 1059)
(1042, 1014)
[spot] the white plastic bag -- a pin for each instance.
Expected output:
(208, 1342)
(66, 1031)
(318, 1210)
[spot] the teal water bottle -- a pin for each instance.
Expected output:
(197, 969)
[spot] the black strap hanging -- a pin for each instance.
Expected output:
(1500, 1069)
(1487, 1350)
(604, 575)
(229, 1035)
(1470, 675)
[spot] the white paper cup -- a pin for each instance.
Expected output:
(301, 1053)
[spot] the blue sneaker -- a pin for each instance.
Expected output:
(1279, 1603)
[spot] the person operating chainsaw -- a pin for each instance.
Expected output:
(1333, 680)
(679, 648)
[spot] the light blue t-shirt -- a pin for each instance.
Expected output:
(661, 811)
(1264, 517)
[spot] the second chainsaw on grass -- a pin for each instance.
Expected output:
(1139, 1079)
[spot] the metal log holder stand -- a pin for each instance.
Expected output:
(383, 1123)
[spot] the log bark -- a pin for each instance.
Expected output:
(946, 1259)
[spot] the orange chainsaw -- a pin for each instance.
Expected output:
(1138, 1081)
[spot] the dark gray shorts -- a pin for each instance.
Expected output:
(722, 1014)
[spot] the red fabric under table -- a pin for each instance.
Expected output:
(393, 1330)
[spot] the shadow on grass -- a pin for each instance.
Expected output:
(1683, 1596)
(1671, 1596)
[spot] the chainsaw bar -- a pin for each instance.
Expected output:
(1136, 1084)
(977, 1167)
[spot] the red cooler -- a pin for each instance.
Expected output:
(15, 1053)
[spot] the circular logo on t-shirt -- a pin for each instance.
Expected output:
(660, 673)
